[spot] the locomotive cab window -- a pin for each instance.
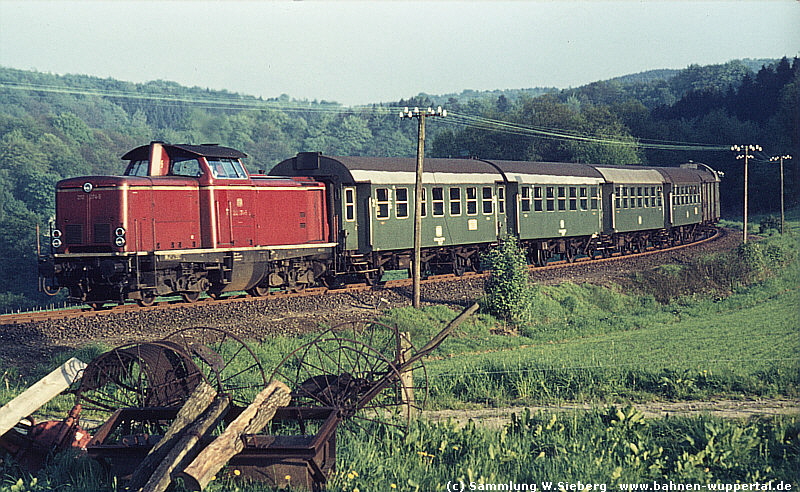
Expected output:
(185, 167)
(138, 168)
(227, 168)
(382, 204)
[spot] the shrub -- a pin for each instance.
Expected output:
(508, 294)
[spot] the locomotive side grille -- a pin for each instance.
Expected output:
(102, 233)
(73, 234)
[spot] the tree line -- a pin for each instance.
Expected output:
(53, 127)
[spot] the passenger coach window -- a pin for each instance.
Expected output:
(584, 199)
(501, 200)
(455, 201)
(472, 201)
(487, 200)
(424, 203)
(401, 203)
(562, 198)
(551, 198)
(595, 194)
(525, 199)
(537, 199)
(573, 198)
(349, 204)
(382, 203)
(437, 198)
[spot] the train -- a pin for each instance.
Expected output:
(184, 220)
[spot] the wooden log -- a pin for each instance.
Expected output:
(199, 401)
(40, 393)
(188, 446)
(253, 419)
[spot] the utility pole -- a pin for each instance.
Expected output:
(746, 156)
(781, 158)
(416, 271)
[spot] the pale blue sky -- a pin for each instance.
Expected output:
(363, 52)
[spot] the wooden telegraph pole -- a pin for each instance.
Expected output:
(416, 271)
(781, 158)
(746, 156)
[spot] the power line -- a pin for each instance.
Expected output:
(247, 103)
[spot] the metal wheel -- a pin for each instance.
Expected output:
(364, 385)
(225, 361)
(155, 374)
(190, 297)
(147, 299)
(258, 291)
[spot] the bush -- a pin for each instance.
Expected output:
(508, 294)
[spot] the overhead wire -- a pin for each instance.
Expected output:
(238, 102)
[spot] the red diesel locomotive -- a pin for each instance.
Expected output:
(185, 219)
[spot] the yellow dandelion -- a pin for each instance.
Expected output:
(392, 485)
(287, 478)
(237, 472)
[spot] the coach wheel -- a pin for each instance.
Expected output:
(569, 254)
(147, 299)
(97, 306)
(459, 266)
(258, 291)
(373, 278)
(190, 296)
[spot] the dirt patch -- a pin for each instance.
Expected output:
(498, 417)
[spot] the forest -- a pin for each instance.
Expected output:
(58, 126)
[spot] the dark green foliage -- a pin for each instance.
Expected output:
(508, 294)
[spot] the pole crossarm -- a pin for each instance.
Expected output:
(747, 149)
(416, 271)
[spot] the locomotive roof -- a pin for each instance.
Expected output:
(205, 150)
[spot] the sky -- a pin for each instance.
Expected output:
(361, 52)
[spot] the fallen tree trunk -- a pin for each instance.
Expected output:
(193, 412)
(252, 420)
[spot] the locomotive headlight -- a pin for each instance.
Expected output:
(87, 187)
(55, 233)
(119, 241)
(120, 231)
(56, 242)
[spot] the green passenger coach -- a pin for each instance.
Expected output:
(556, 210)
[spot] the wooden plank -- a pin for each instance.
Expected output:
(40, 393)
(188, 445)
(252, 420)
(199, 401)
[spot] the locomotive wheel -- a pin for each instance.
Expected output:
(148, 299)
(258, 291)
(225, 360)
(363, 385)
(190, 297)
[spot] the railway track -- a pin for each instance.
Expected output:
(86, 312)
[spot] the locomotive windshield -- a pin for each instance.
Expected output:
(227, 168)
